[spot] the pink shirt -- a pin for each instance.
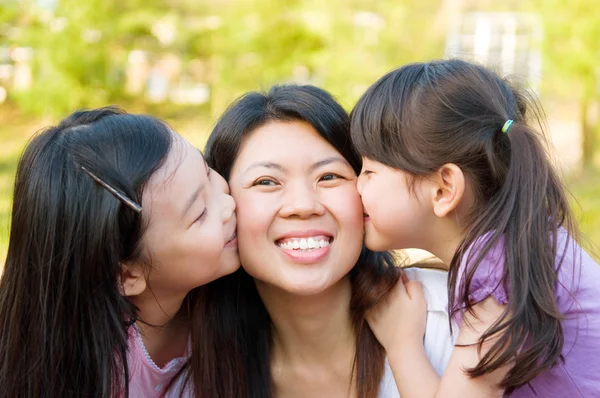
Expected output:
(146, 379)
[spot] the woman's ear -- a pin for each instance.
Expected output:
(133, 279)
(449, 185)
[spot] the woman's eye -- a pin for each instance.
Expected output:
(329, 177)
(367, 172)
(265, 182)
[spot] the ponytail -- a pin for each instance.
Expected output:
(423, 115)
(527, 214)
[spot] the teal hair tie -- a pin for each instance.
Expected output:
(507, 125)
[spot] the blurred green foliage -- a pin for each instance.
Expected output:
(571, 48)
(81, 51)
(81, 48)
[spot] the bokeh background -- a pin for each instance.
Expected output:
(186, 60)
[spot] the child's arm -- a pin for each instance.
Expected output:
(455, 381)
(399, 324)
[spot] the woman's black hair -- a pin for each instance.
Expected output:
(371, 278)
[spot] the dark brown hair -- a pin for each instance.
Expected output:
(424, 115)
(65, 323)
(371, 278)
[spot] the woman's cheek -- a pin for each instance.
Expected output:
(346, 203)
(255, 214)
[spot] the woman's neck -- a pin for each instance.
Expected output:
(164, 330)
(311, 329)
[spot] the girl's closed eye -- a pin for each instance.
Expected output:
(202, 216)
(367, 172)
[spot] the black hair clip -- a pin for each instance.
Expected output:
(117, 194)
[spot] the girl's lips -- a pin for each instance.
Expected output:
(232, 242)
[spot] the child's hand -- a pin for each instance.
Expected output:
(400, 318)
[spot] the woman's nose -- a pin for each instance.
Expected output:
(301, 200)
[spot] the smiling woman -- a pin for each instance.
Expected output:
(300, 193)
(307, 279)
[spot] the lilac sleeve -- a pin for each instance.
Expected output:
(487, 279)
(487, 282)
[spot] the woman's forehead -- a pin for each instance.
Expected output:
(284, 141)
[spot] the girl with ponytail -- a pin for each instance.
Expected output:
(452, 165)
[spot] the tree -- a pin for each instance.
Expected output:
(572, 50)
(81, 49)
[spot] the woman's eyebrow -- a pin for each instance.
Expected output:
(277, 166)
(268, 165)
(326, 161)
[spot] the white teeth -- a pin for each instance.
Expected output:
(310, 243)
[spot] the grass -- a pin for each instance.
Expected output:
(15, 131)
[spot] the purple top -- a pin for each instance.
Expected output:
(578, 298)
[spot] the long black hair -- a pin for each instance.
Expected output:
(371, 278)
(424, 115)
(63, 318)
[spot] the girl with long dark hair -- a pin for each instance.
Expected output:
(117, 223)
(453, 165)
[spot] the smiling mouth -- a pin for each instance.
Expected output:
(305, 244)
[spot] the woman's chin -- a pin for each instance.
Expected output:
(304, 285)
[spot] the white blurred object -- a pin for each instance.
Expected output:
(91, 35)
(22, 73)
(137, 72)
(508, 42)
(196, 94)
(164, 31)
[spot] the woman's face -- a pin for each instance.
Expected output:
(300, 218)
